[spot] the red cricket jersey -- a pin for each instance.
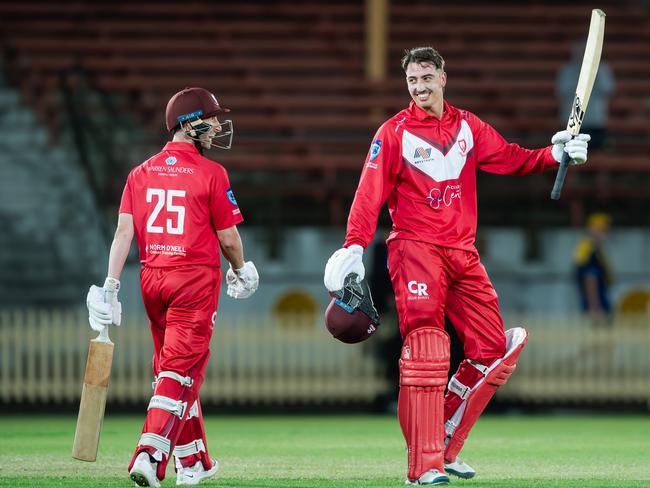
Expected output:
(178, 200)
(426, 169)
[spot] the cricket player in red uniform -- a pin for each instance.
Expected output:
(423, 162)
(181, 209)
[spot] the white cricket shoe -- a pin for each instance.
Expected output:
(196, 474)
(431, 477)
(143, 471)
(460, 469)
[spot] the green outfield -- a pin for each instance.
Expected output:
(341, 451)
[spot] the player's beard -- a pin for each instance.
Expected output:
(199, 147)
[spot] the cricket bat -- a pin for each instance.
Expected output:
(588, 72)
(93, 398)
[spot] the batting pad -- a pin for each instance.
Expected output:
(476, 398)
(424, 365)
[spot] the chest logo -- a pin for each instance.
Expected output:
(422, 153)
(441, 163)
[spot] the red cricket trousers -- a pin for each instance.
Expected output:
(181, 303)
(432, 281)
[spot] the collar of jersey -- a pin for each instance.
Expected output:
(420, 114)
(181, 146)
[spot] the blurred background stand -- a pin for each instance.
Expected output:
(83, 89)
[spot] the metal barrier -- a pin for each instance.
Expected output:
(262, 360)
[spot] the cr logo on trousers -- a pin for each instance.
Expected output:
(419, 289)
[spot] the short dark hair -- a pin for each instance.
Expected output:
(422, 55)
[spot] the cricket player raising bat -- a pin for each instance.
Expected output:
(180, 208)
(423, 162)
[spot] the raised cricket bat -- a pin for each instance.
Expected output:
(588, 72)
(93, 398)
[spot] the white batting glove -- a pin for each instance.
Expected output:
(242, 282)
(103, 307)
(575, 147)
(343, 262)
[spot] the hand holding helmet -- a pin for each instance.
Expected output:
(351, 315)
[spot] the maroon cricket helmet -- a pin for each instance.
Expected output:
(351, 316)
(191, 102)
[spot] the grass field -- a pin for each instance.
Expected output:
(341, 451)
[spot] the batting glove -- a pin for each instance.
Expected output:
(242, 282)
(343, 262)
(575, 147)
(103, 307)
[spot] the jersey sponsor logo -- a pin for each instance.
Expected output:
(441, 163)
(170, 170)
(171, 160)
(417, 290)
(438, 197)
(421, 153)
(166, 249)
(231, 197)
(375, 149)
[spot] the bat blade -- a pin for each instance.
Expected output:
(93, 398)
(588, 72)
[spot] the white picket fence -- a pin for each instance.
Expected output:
(254, 360)
(260, 360)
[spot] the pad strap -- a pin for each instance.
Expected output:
(458, 388)
(175, 407)
(194, 410)
(481, 367)
(190, 448)
(157, 441)
(183, 380)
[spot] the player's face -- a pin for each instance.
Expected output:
(426, 84)
(206, 137)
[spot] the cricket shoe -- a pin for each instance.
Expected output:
(431, 477)
(460, 469)
(143, 471)
(196, 474)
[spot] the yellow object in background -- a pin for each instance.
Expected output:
(634, 302)
(599, 221)
(295, 303)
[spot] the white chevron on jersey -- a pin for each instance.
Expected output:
(430, 159)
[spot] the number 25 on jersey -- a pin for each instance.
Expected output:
(165, 198)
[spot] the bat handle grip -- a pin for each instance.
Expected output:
(103, 335)
(559, 178)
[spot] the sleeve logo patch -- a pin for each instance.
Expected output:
(231, 197)
(375, 148)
